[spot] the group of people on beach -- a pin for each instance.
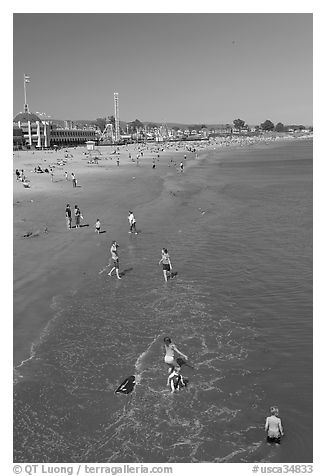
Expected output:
(78, 216)
(165, 258)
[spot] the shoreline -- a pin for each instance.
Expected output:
(52, 263)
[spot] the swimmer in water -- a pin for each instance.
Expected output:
(273, 426)
(170, 349)
(176, 380)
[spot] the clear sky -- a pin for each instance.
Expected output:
(167, 67)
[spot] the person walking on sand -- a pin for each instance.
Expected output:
(166, 262)
(77, 216)
(169, 358)
(66, 175)
(132, 223)
(68, 216)
(74, 181)
(273, 426)
(115, 259)
(98, 226)
(181, 167)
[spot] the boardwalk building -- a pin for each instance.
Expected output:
(32, 132)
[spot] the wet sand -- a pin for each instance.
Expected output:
(48, 258)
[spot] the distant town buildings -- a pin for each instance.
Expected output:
(31, 131)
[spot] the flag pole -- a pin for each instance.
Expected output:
(26, 80)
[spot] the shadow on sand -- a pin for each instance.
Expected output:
(125, 271)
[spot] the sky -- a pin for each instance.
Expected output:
(166, 67)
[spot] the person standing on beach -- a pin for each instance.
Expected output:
(98, 226)
(273, 426)
(17, 174)
(181, 167)
(132, 223)
(68, 216)
(166, 262)
(66, 175)
(115, 259)
(74, 181)
(170, 349)
(77, 216)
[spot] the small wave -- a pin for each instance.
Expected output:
(57, 306)
(18, 375)
(145, 359)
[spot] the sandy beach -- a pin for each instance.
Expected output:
(48, 258)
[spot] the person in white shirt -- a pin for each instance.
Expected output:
(132, 223)
(273, 426)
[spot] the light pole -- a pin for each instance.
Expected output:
(116, 117)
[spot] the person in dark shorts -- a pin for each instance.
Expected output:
(132, 222)
(98, 226)
(77, 216)
(273, 426)
(68, 216)
(166, 262)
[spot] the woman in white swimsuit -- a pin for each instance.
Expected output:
(170, 349)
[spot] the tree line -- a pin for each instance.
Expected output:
(269, 126)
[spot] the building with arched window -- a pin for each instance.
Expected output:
(32, 132)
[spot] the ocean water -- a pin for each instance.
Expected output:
(238, 227)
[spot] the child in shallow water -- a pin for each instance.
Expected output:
(170, 349)
(176, 380)
(273, 426)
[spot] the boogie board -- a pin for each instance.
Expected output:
(127, 385)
